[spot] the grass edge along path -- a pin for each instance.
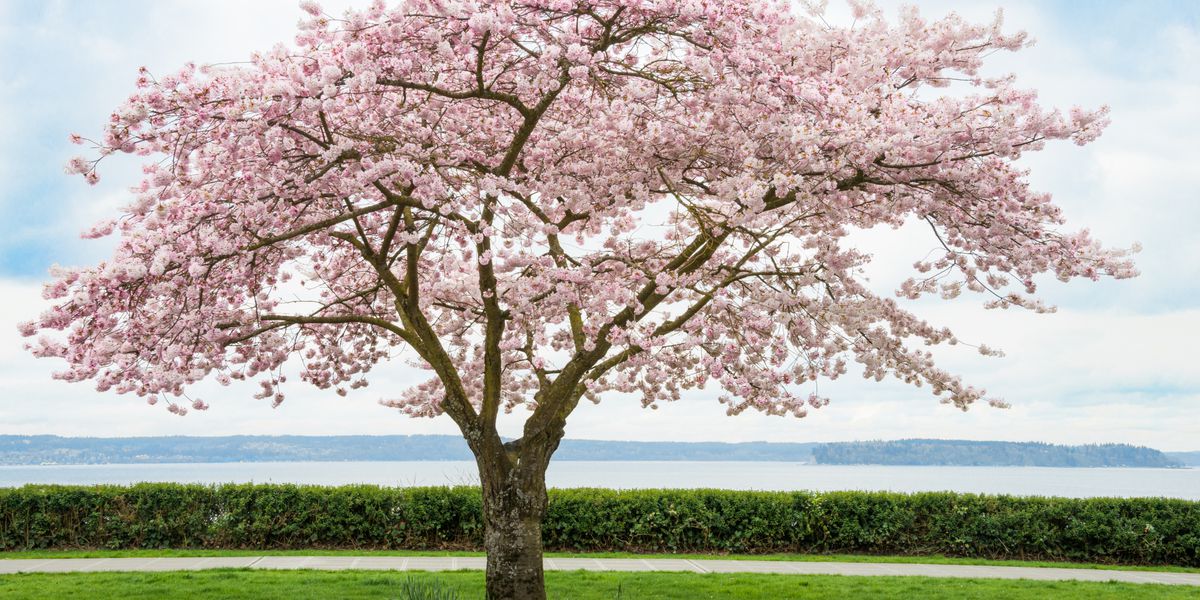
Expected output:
(577, 585)
(447, 563)
(851, 558)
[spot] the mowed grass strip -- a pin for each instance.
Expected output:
(243, 583)
(856, 558)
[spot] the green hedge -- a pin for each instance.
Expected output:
(1105, 530)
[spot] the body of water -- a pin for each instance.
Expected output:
(1022, 481)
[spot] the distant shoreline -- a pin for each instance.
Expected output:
(568, 460)
(48, 450)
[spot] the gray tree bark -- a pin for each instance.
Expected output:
(514, 504)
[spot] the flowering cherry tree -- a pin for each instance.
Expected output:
(541, 201)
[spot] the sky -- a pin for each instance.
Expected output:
(1116, 363)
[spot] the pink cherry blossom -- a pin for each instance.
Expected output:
(652, 196)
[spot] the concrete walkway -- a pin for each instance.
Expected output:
(444, 563)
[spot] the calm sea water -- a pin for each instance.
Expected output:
(1025, 481)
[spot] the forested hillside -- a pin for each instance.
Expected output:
(973, 453)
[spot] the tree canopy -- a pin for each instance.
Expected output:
(546, 200)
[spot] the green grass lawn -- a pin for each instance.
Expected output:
(935, 559)
(578, 585)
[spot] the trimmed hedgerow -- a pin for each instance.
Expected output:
(1153, 531)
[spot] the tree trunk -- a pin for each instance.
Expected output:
(514, 502)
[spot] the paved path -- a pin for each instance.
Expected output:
(443, 563)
